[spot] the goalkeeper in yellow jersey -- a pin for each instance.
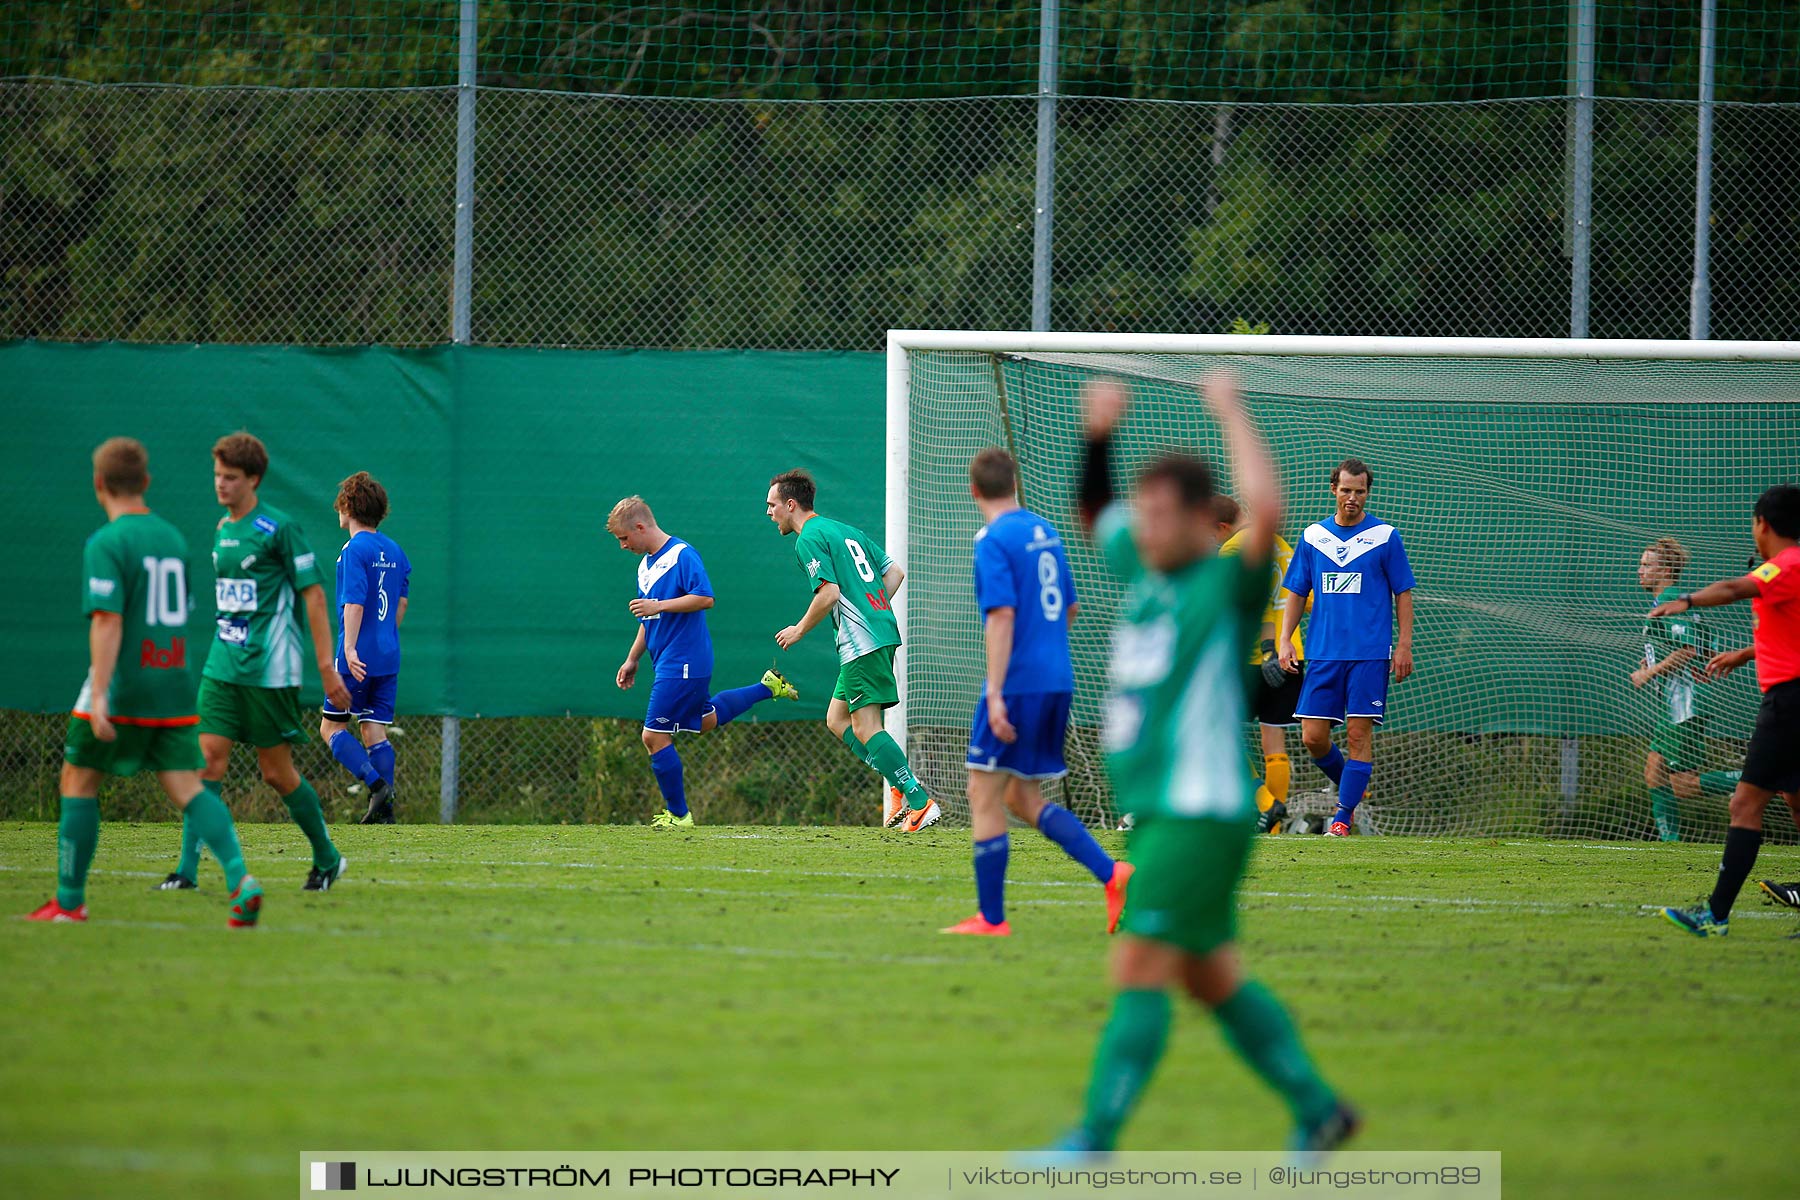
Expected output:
(1276, 688)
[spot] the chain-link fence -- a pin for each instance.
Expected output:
(807, 175)
(510, 770)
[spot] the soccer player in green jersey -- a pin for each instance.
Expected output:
(250, 688)
(1673, 647)
(853, 582)
(1176, 701)
(136, 710)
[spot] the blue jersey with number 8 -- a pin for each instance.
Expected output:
(1020, 564)
(373, 571)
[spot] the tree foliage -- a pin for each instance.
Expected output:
(648, 176)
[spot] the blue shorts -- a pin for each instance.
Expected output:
(678, 705)
(371, 700)
(1042, 721)
(1340, 688)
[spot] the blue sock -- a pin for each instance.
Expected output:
(990, 878)
(382, 755)
(1350, 792)
(347, 750)
(1066, 830)
(1332, 764)
(732, 704)
(667, 766)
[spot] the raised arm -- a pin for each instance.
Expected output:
(1104, 403)
(1258, 488)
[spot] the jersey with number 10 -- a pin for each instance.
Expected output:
(136, 566)
(833, 552)
(261, 563)
(1020, 564)
(372, 570)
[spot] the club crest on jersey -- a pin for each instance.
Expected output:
(263, 523)
(235, 595)
(1142, 654)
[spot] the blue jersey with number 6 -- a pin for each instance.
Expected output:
(1020, 564)
(373, 571)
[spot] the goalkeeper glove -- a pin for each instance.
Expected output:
(1272, 673)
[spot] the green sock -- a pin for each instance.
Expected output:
(1719, 783)
(1665, 810)
(1259, 1030)
(1130, 1047)
(886, 756)
(856, 747)
(188, 866)
(77, 833)
(303, 805)
(211, 822)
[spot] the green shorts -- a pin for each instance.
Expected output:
(1184, 890)
(1682, 746)
(868, 680)
(137, 748)
(261, 717)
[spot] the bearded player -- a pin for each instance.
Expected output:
(1354, 568)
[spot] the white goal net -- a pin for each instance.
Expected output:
(1527, 478)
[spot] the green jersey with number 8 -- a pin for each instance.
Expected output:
(833, 552)
(136, 566)
(261, 563)
(1177, 699)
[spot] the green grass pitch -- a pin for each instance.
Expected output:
(729, 988)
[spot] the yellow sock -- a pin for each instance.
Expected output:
(1264, 801)
(1279, 774)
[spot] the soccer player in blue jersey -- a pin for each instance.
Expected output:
(1354, 567)
(373, 574)
(1026, 595)
(673, 596)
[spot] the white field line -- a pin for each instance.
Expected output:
(1334, 900)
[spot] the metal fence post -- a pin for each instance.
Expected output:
(1581, 164)
(1044, 215)
(462, 272)
(1700, 317)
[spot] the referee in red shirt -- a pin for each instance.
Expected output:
(1772, 762)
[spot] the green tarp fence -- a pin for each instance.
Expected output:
(500, 466)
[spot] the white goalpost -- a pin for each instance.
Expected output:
(1527, 476)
